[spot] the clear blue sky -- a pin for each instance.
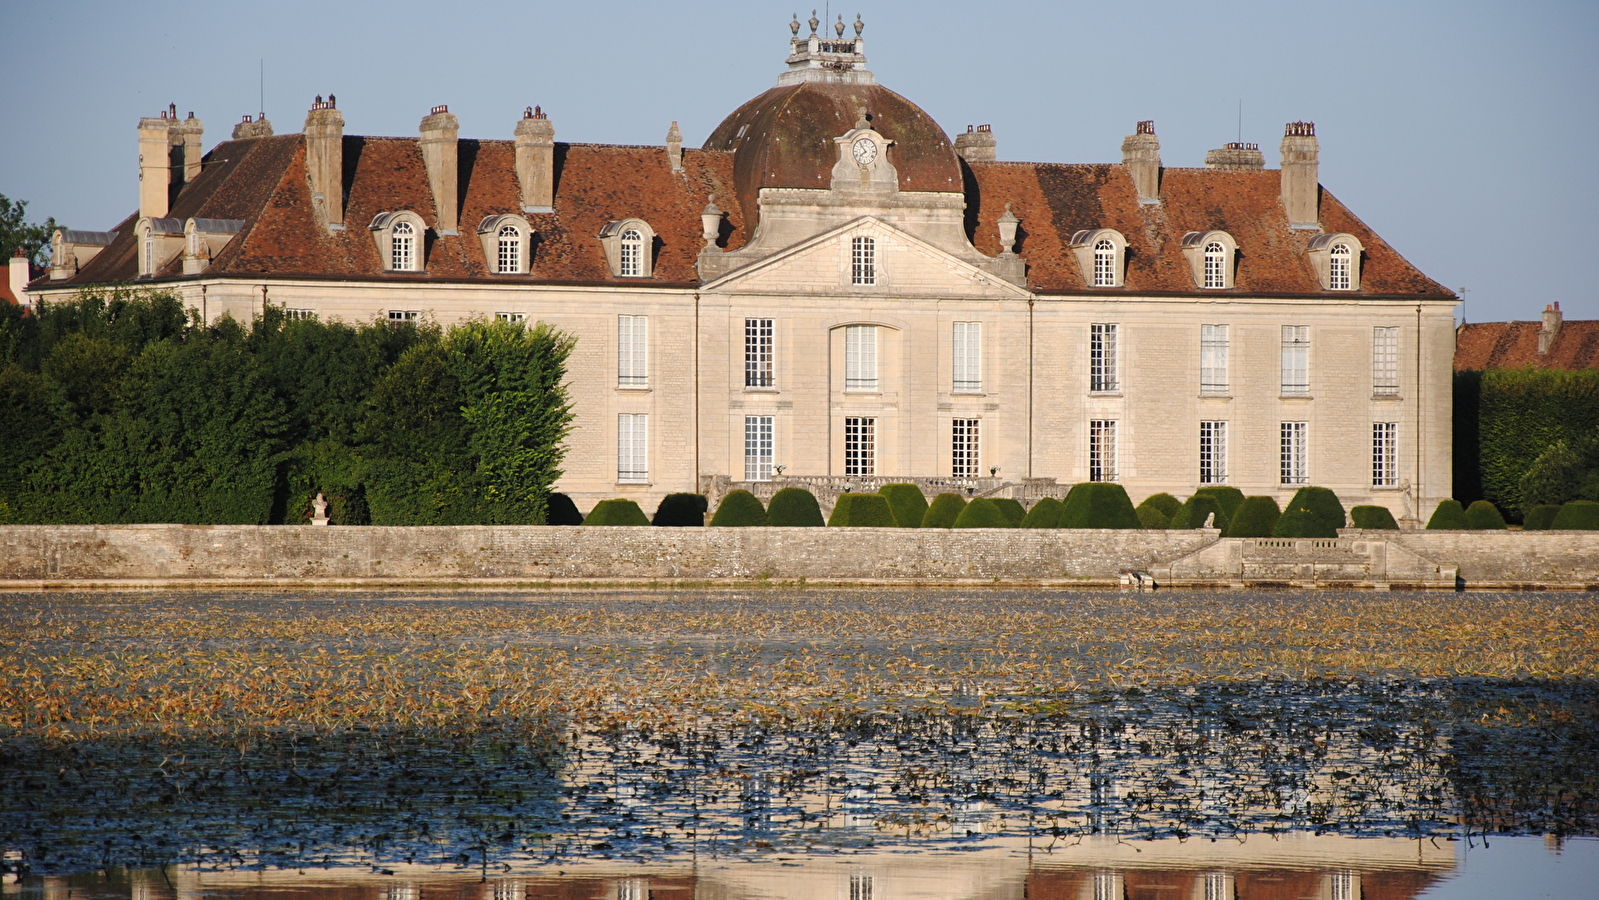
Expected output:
(1466, 133)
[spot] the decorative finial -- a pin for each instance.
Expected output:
(1008, 216)
(794, 25)
(862, 120)
(318, 99)
(814, 21)
(859, 25)
(838, 28)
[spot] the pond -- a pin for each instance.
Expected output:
(862, 745)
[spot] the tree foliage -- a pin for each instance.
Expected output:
(861, 511)
(1522, 414)
(1098, 504)
(15, 232)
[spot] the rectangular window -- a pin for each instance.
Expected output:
(299, 315)
(860, 358)
(1343, 886)
(1217, 887)
(758, 353)
(633, 448)
(965, 449)
(1295, 451)
(968, 368)
(1102, 358)
(757, 448)
(1296, 359)
(1102, 450)
(632, 351)
(860, 887)
(863, 261)
(1212, 452)
(399, 316)
(1385, 362)
(1384, 454)
(860, 446)
(510, 317)
(1213, 359)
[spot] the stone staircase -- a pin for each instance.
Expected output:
(1306, 562)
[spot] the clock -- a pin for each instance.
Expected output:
(865, 150)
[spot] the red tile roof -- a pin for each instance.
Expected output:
(1514, 345)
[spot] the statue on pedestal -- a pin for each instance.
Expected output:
(320, 505)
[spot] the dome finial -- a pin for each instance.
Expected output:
(862, 119)
(859, 25)
(838, 28)
(794, 25)
(814, 21)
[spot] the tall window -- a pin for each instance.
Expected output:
(968, 343)
(147, 254)
(1102, 358)
(1295, 451)
(863, 260)
(860, 446)
(510, 250)
(860, 886)
(1339, 265)
(1296, 359)
(402, 247)
(633, 448)
(1102, 450)
(632, 351)
(965, 449)
(1385, 362)
(1213, 359)
(860, 357)
(632, 254)
(1212, 452)
(1215, 265)
(1218, 886)
(758, 353)
(757, 448)
(1104, 263)
(1384, 454)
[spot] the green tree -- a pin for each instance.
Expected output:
(16, 233)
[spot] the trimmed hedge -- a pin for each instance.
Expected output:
(1299, 522)
(1013, 510)
(906, 502)
(1541, 517)
(616, 512)
(1578, 515)
(1484, 516)
(681, 511)
(794, 507)
(1166, 503)
(1229, 497)
(1522, 413)
(1377, 518)
(982, 513)
(1044, 514)
(739, 509)
(1323, 504)
(563, 511)
(1098, 504)
(1199, 508)
(943, 511)
(1151, 518)
(861, 511)
(1257, 517)
(1449, 516)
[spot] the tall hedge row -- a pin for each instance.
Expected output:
(1506, 420)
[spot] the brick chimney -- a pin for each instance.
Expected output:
(252, 127)
(1301, 192)
(1550, 328)
(977, 144)
(155, 165)
(1141, 156)
(1236, 156)
(535, 161)
(324, 160)
(441, 154)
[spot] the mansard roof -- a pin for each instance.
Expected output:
(1480, 346)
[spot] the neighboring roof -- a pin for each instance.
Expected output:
(1514, 345)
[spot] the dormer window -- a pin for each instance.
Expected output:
(509, 257)
(1104, 263)
(1102, 256)
(159, 240)
(863, 261)
(1336, 259)
(1215, 254)
(146, 251)
(1212, 257)
(507, 244)
(1338, 268)
(400, 238)
(629, 248)
(632, 254)
(402, 247)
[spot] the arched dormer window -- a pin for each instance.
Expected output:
(632, 254)
(1102, 256)
(159, 241)
(402, 247)
(1336, 259)
(401, 240)
(508, 256)
(1338, 267)
(630, 248)
(1212, 259)
(507, 244)
(146, 251)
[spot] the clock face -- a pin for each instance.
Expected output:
(865, 150)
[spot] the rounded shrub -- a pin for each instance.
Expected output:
(794, 507)
(1322, 503)
(1257, 517)
(1013, 510)
(1578, 515)
(1299, 522)
(616, 512)
(681, 510)
(943, 511)
(1377, 518)
(1151, 518)
(739, 509)
(1166, 503)
(1540, 517)
(563, 511)
(1098, 504)
(1449, 516)
(906, 502)
(982, 513)
(1227, 496)
(861, 511)
(1197, 510)
(1484, 516)
(1044, 514)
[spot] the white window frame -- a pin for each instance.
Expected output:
(1296, 361)
(629, 248)
(1213, 352)
(759, 353)
(863, 260)
(860, 358)
(1215, 265)
(147, 251)
(860, 886)
(1336, 259)
(507, 241)
(1101, 256)
(298, 315)
(965, 448)
(1102, 450)
(758, 447)
(1104, 263)
(1213, 452)
(402, 247)
(1103, 371)
(1384, 454)
(633, 352)
(512, 317)
(508, 251)
(1340, 268)
(404, 316)
(632, 448)
(860, 445)
(1294, 454)
(1212, 257)
(966, 349)
(1385, 361)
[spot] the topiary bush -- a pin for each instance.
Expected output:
(982, 513)
(1013, 510)
(1578, 515)
(563, 511)
(1322, 503)
(616, 512)
(1541, 517)
(861, 511)
(1044, 514)
(906, 502)
(1374, 517)
(943, 511)
(1166, 503)
(794, 507)
(1299, 522)
(1151, 518)
(1098, 504)
(739, 509)
(1449, 516)
(681, 511)
(1484, 516)
(1257, 518)
(1227, 496)
(1197, 510)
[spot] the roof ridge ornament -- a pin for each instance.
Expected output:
(822, 59)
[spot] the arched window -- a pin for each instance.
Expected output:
(147, 253)
(1215, 265)
(1338, 268)
(632, 254)
(510, 250)
(1104, 263)
(402, 247)
(863, 261)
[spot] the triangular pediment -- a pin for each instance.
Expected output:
(904, 266)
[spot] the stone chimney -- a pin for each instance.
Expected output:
(155, 165)
(1141, 156)
(18, 275)
(441, 154)
(976, 145)
(324, 160)
(535, 161)
(192, 134)
(1546, 333)
(1301, 192)
(674, 148)
(1236, 157)
(252, 127)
